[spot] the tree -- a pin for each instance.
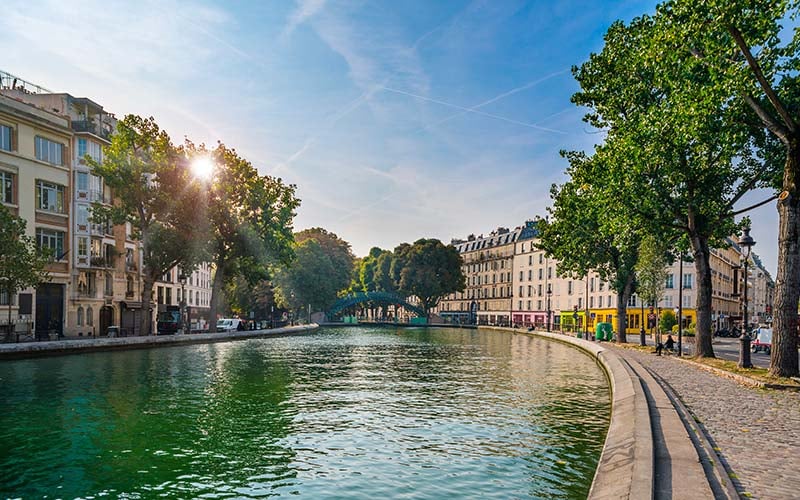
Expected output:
(22, 264)
(739, 44)
(586, 231)
(250, 218)
(667, 321)
(651, 269)
(428, 270)
(681, 155)
(322, 268)
(153, 191)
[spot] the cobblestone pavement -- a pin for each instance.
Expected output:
(757, 431)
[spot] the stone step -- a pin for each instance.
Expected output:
(674, 449)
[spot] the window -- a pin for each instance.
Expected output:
(530, 274)
(600, 301)
(520, 275)
(668, 301)
(4, 299)
(49, 151)
(540, 258)
(81, 148)
(670, 281)
(530, 260)
(687, 301)
(687, 280)
(520, 290)
(5, 137)
(539, 290)
(89, 316)
(169, 296)
(82, 216)
(6, 187)
(129, 286)
(52, 240)
(529, 290)
(49, 197)
(632, 301)
(82, 181)
(569, 287)
(79, 321)
(591, 302)
(83, 246)
(109, 284)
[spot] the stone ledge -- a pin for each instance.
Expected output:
(626, 466)
(61, 347)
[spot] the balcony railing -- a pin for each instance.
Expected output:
(103, 262)
(87, 293)
(92, 128)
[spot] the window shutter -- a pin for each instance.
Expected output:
(13, 133)
(66, 158)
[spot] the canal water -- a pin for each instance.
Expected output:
(339, 413)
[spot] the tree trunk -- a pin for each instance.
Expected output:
(703, 338)
(622, 309)
(146, 323)
(784, 358)
(216, 293)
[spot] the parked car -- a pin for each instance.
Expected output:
(230, 325)
(763, 341)
(168, 321)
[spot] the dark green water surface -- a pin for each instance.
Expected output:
(338, 413)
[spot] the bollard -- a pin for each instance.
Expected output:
(744, 351)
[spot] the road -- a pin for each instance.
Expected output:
(724, 348)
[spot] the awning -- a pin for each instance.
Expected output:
(131, 305)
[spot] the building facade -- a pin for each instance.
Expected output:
(46, 143)
(35, 182)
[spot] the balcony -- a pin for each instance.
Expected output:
(103, 262)
(87, 293)
(99, 197)
(131, 267)
(91, 127)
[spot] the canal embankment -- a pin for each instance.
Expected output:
(73, 346)
(652, 448)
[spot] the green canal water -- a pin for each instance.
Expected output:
(339, 413)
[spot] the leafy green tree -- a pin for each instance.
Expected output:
(384, 280)
(22, 264)
(586, 230)
(244, 297)
(750, 62)
(667, 320)
(250, 218)
(428, 270)
(153, 191)
(651, 269)
(323, 267)
(679, 155)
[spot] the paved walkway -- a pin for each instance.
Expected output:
(757, 432)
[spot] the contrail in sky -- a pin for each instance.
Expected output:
(497, 98)
(472, 110)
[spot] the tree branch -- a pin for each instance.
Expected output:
(772, 125)
(751, 207)
(762, 81)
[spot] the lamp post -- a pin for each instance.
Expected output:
(746, 242)
(641, 330)
(182, 326)
(586, 312)
(549, 293)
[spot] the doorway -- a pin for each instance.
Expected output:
(49, 310)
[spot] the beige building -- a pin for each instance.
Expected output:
(101, 264)
(489, 267)
(35, 184)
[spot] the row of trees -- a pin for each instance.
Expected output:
(698, 105)
(235, 218)
(426, 269)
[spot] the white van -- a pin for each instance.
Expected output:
(763, 341)
(230, 325)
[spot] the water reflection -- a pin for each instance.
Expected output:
(353, 413)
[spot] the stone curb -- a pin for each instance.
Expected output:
(62, 347)
(626, 466)
(741, 379)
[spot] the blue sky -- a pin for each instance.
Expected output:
(396, 120)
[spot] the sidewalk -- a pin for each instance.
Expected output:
(757, 432)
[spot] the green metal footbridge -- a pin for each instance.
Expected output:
(374, 297)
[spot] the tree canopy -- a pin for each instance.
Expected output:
(428, 270)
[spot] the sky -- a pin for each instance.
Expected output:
(395, 120)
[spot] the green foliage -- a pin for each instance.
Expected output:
(651, 269)
(245, 297)
(323, 267)
(22, 264)
(667, 321)
(155, 192)
(249, 217)
(428, 270)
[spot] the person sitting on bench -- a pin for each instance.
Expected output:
(670, 344)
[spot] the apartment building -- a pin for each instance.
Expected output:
(35, 184)
(488, 266)
(194, 287)
(100, 265)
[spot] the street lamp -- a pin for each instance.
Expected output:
(549, 293)
(182, 278)
(746, 242)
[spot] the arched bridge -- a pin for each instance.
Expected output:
(379, 297)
